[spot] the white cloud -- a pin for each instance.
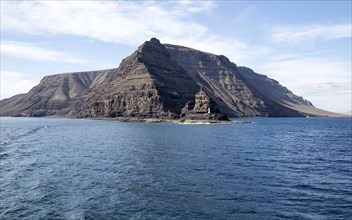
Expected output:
(297, 34)
(33, 52)
(111, 21)
(13, 83)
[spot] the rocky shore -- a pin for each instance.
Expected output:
(176, 121)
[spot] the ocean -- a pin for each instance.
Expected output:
(273, 168)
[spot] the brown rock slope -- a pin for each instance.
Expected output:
(55, 95)
(161, 81)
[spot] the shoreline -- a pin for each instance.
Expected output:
(175, 121)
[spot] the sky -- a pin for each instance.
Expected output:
(305, 45)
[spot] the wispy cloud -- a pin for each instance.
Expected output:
(34, 52)
(13, 83)
(297, 34)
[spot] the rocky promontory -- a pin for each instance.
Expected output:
(162, 82)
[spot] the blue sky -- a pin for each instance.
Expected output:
(305, 45)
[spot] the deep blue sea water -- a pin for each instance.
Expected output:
(274, 168)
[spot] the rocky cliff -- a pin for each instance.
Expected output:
(162, 81)
(146, 84)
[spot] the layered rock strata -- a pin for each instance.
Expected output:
(147, 84)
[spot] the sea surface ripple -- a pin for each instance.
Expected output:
(274, 168)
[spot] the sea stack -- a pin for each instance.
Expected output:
(203, 108)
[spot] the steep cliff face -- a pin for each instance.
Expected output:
(147, 84)
(161, 81)
(59, 95)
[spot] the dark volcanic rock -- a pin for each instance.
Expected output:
(202, 108)
(161, 81)
(147, 84)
